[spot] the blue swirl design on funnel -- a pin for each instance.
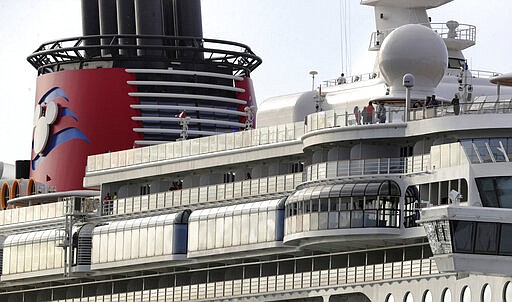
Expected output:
(63, 135)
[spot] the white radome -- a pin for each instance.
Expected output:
(414, 49)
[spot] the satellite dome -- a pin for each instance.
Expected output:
(414, 49)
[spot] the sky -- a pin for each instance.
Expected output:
(292, 37)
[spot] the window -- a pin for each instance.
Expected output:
(408, 297)
(390, 298)
(447, 295)
(506, 240)
(465, 295)
(495, 192)
(462, 236)
(486, 238)
(486, 293)
(427, 296)
(507, 292)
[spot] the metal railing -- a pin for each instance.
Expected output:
(197, 146)
(395, 114)
(279, 283)
(464, 32)
(32, 213)
(351, 79)
(203, 195)
(342, 219)
(358, 167)
(79, 50)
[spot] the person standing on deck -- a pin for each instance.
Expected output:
(369, 112)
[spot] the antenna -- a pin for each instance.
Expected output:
(313, 73)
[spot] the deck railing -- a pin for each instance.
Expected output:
(396, 114)
(278, 283)
(359, 167)
(203, 195)
(197, 146)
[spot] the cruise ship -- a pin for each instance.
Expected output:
(155, 177)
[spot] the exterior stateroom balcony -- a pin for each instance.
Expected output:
(470, 239)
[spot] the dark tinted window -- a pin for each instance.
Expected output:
(495, 191)
(506, 240)
(462, 236)
(486, 238)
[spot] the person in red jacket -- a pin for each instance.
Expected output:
(369, 112)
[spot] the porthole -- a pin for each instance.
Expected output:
(507, 292)
(427, 296)
(408, 297)
(447, 295)
(486, 293)
(390, 298)
(465, 295)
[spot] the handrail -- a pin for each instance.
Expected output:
(204, 145)
(32, 213)
(202, 195)
(124, 47)
(360, 167)
(351, 79)
(281, 282)
(395, 114)
(464, 32)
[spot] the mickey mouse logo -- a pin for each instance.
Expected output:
(47, 133)
(44, 117)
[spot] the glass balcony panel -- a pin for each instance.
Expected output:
(281, 133)
(176, 198)
(221, 192)
(272, 135)
(161, 152)
(169, 150)
(194, 146)
(237, 189)
(321, 120)
(221, 142)
(153, 153)
(106, 160)
(194, 195)
(130, 157)
(255, 139)
(230, 141)
(185, 197)
(290, 132)
(238, 137)
(185, 147)
(246, 138)
(255, 185)
(137, 153)
(178, 149)
(145, 154)
(204, 145)
(213, 145)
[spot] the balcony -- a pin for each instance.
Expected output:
(206, 195)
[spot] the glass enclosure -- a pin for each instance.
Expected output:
(236, 226)
(140, 238)
(341, 206)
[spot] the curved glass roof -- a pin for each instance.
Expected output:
(167, 219)
(382, 188)
(253, 207)
(40, 236)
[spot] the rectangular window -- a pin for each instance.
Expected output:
(462, 236)
(486, 238)
(506, 240)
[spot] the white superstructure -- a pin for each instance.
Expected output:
(328, 199)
